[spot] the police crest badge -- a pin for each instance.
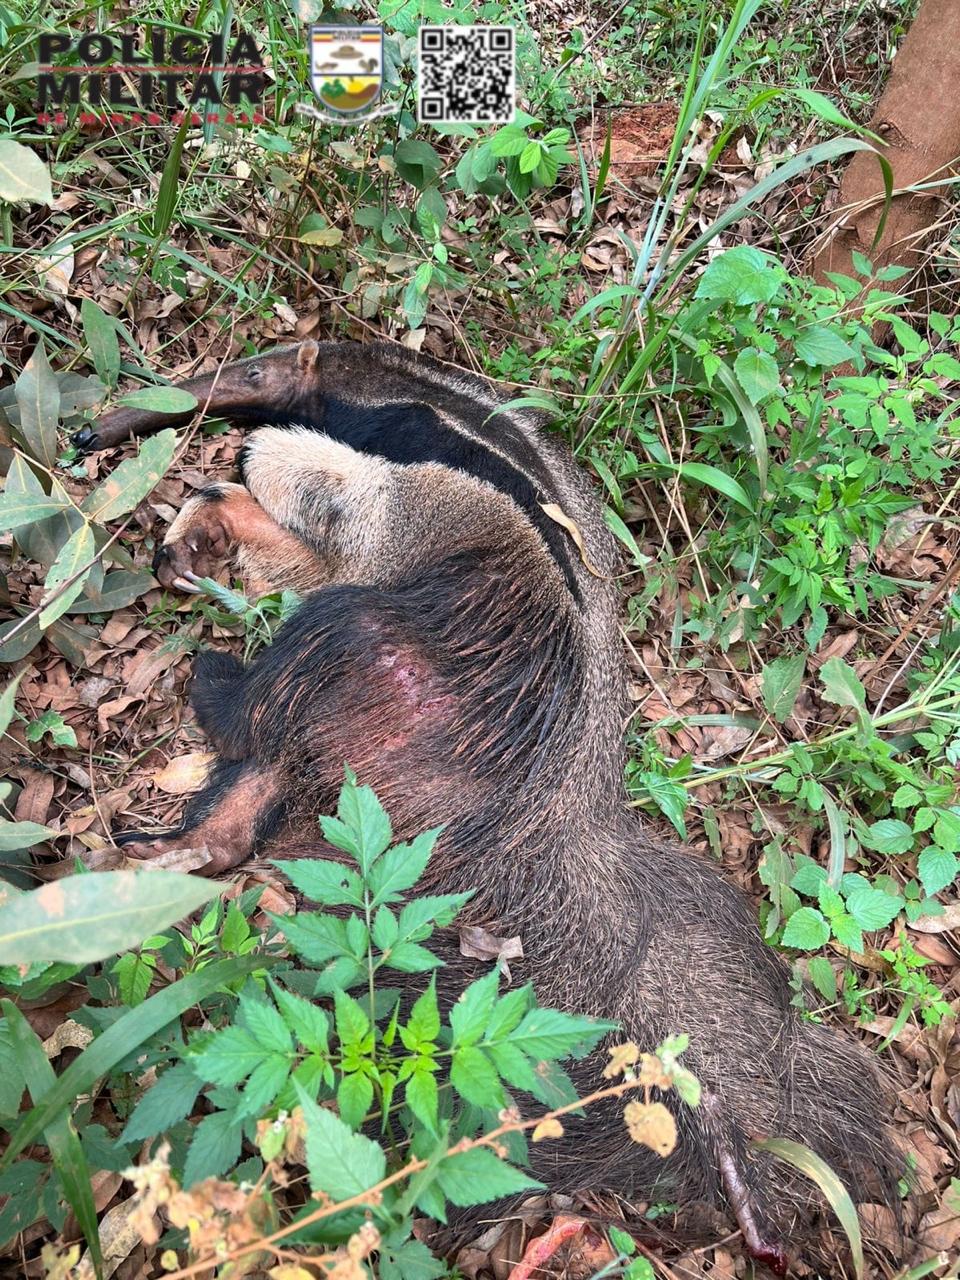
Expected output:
(346, 72)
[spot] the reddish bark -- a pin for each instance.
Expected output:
(918, 116)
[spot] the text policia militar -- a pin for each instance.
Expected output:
(148, 71)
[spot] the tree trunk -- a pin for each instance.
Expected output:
(918, 116)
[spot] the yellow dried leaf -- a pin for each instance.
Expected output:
(290, 1271)
(558, 514)
(184, 774)
(651, 1072)
(621, 1056)
(549, 1128)
(652, 1125)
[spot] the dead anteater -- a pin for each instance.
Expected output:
(463, 656)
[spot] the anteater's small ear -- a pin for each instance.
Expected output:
(307, 355)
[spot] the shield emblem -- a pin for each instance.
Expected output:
(346, 67)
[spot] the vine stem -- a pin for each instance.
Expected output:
(373, 1195)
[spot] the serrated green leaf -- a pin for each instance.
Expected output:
(471, 1012)
(352, 1023)
(400, 868)
(229, 1057)
(842, 685)
(780, 683)
(421, 1097)
(937, 868)
(329, 883)
(165, 1104)
(354, 1098)
(474, 1077)
(265, 1025)
(806, 930)
(889, 835)
(742, 275)
(821, 346)
(550, 1033)
(823, 978)
(757, 373)
(341, 1163)
(306, 1020)
(872, 908)
(474, 1177)
(214, 1147)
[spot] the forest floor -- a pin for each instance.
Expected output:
(265, 248)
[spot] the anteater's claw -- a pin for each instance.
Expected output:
(85, 440)
(183, 585)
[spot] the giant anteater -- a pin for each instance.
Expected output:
(457, 649)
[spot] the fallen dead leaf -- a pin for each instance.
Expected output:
(184, 774)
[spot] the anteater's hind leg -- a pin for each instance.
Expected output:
(241, 807)
(224, 521)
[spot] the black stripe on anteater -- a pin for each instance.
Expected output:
(413, 433)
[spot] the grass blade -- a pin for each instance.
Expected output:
(817, 1169)
(119, 1040)
(59, 1133)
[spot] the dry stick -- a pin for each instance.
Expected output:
(373, 1194)
(945, 582)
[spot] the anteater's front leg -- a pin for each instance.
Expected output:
(224, 521)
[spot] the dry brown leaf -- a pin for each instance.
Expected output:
(652, 1125)
(558, 514)
(184, 774)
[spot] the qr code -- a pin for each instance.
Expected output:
(467, 75)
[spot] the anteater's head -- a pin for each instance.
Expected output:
(275, 386)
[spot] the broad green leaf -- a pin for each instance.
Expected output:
(872, 908)
(127, 486)
(821, 346)
(816, 1168)
(937, 868)
(550, 1033)
(758, 374)
(361, 827)
(85, 918)
(118, 589)
(476, 1176)
(417, 162)
(74, 561)
(23, 175)
(100, 332)
(421, 1096)
(214, 1147)
(160, 400)
(670, 798)
(23, 500)
(266, 1025)
(704, 473)
(823, 978)
(354, 1098)
(38, 396)
(471, 1012)
(306, 1020)
(889, 835)
(742, 275)
(946, 829)
(806, 930)
(165, 1104)
(841, 685)
(329, 883)
(229, 1057)
(400, 868)
(341, 1163)
(780, 683)
(20, 835)
(847, 932)
(475, 1078)
(60, 1133)
(7, 702)
(125, 1035)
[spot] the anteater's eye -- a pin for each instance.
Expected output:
(254, 373)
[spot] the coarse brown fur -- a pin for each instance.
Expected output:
(458, 651)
